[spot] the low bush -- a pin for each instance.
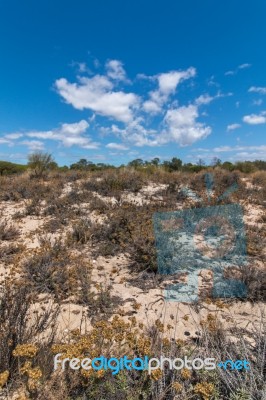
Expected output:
(8, 231)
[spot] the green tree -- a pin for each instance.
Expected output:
(136, 163)
(245, 166)
(155, 161)
(40, 163)
(228, 166)
(7, 168)
(174, 165)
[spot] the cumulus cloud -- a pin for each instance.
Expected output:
(167, 84)
(168, 81)
(232, 127)
(182, 126)
(151, 107)
(257, 89)
(135, 133)
(115, 70)
(255, 119)
(96, 94)
(68, 135)
(131, 114)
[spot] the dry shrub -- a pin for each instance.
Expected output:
(81, 231)
(129, 230)
(33, 207)
(255, 280)
(19, 327)
(61, 209)
(222, 181)
(9, 252)
(7, 231)
(53, 269)
(259, 178)
(256, 240)
(112, 183)
(97, 204)
(16, 188)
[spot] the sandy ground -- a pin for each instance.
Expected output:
(146, 305)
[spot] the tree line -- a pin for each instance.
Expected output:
(39, 163)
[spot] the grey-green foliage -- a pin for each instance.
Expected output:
(40, 162)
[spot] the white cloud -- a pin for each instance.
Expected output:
(151, 107)
(227, 73)
(116, 146)
(239, 152)
(211, 82)
(257, 89)
(137, 134)
(168, 81)
(13, 136)
(74, 129)
(182, 125)
(244, 155)
(239, 148)
(239, 67)
(98, 94)
(167, 84)
(34, 145)
(68, 134)
(9, 138)
(204, 99)
(255, 119)
(4, 141)
(232, 127)
(115, 70)
(244, 66)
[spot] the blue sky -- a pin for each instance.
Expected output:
(111, 81)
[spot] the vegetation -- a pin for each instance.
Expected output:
(40, 163)
(71, 242)
(7, 168)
